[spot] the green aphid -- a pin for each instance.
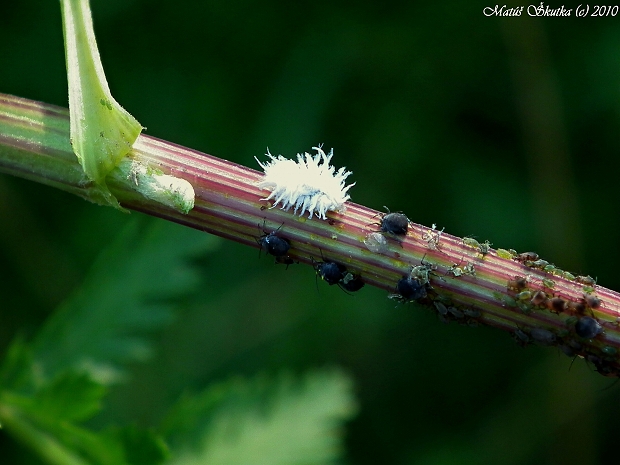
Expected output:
(503, 253)
(549, 268)
(568, 275)
(588, 289)
(524, 295)
(540, 263)
(471, 242)
(524, 307)
(548, 283)
(508, 301)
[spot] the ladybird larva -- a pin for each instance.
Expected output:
(309, 185)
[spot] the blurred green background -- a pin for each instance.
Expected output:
(501, 128)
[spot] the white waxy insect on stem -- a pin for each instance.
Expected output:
(308, 185)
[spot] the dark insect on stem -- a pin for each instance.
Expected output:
(330, 272)
(517, 284)
(587, 280)
(351, 282)
(526, 257)
(521, 337)
(539, 298)
(592, 302)
(273, 244)
(335, 273)
(556, 305)
(542, 336)
(587, 327)
(285, 260)
(409, 288)
(394, 224)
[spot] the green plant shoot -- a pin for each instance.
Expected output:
(102, 132)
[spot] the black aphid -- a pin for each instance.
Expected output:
(409, 288)
(273, 244)
(285, 260)
(542, 336)
(567, 350)
(330, 272)
(441, 308)
(521, 337)
(557, 305)
(351, 282)
(592, 302)
(587, 327)
(456, 313)
(395, 223)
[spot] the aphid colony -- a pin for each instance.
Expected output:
(393, 225)
(311, 185)
(581, 324)
(532, 260)
(331, 272)
(413, 286)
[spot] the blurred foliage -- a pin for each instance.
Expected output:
(263, 421)
(49, 388)
(501, 128)
(130, 288)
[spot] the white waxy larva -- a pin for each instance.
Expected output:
(308, 185)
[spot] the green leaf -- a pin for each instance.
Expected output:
(102, 132)
(130, 290)
(44, 444)
(70, 397)
(60, 380)
(16, 368)
(142, 447)
(45, 420)
(97, 448)
(47, 429)
(58, 441)
(263, 421)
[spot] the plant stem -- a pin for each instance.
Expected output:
(468, 282)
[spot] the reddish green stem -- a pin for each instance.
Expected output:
(467, 283)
